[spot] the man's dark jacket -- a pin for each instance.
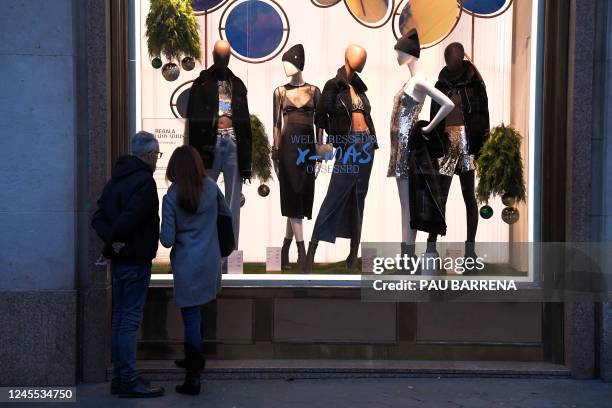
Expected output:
(203, 115)
(474, 101)
(334, 109)
(128, 212)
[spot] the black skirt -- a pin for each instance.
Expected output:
(296, 181)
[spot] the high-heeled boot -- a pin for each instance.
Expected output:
(194, 364)
(309, 263)
(285, 254)
(351, 259)
(301, 261)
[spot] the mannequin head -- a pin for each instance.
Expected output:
(408, 48)
(405, 59)
(221, 54)
(293, 60)
(453, 55)
(355, 58)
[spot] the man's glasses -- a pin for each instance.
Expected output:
(158, 154)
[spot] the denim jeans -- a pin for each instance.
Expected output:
(192, 322)
(226, 162)
(130, 286)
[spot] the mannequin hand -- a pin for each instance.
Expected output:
(276, 169)
(118, 246)
(427, 129)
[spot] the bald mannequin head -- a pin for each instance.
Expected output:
(221, 54)
(355, 57)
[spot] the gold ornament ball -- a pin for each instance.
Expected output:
(510, 215)
(508, 200)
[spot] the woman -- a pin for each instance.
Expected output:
(189, 226)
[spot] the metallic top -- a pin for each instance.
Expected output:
(405, 115)
(225, 98)
(358, 105)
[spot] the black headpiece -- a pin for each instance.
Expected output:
(409, 43)
(295, 55)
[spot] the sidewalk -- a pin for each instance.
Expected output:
(373, 392)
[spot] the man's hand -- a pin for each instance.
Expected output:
(118, 246)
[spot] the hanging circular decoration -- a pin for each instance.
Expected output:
(257, 30)
(371, 13)
(486, 8)
(486, 212)
(179, 99)
(263, 190)
(434, 20)
(206, 6)
(510, 215)
(171, 71)
(156, 63)
(188, 63)
(242, 199)
(508, 200)
(325, 3)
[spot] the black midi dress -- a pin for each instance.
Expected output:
(294, 110)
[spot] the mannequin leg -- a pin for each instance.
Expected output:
(286, 246)
(471, 207)
(408, 234)
(298, 231)
(297, 228)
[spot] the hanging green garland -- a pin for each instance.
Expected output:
(500, 167)
(261, 163)
(172, 30)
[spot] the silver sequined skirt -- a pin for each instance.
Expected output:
(457, 160)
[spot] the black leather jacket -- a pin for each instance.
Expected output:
(333, 111)
(203, 111)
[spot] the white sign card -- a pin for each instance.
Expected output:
(273, 259)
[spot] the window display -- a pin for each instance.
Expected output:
(337, 144)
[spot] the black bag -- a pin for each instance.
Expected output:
(437, 144)
(225, 231)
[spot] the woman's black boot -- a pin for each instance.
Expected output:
(351, 259)
(301, 261)
(309, 263)
(194, 364)
(285, 254)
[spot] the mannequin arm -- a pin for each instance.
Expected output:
(446, 105)
(277, 120)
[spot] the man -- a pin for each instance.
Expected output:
(127, 221)
(219, 127)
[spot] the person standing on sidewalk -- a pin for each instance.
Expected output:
(189, 225)
(127, 220)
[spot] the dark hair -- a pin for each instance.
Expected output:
(186, 170)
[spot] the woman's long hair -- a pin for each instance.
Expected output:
(186, 170)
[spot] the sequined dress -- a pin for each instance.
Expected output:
(405, 115)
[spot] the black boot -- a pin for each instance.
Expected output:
(351, 259)
(470, 253)
(194, 362)
(309, 263)
(301, 261)
(285, 254)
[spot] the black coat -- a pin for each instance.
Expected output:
(128, 212)
(474, 101)
(333, 110)
(203, 114)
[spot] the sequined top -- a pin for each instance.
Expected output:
(358, 105)
(405, 115)
(225, 98)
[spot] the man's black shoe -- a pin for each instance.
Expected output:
(140, 388)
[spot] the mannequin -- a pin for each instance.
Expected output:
(294, 106)
(345, 115)
(467, 127)
(219, 126)
(404, 160)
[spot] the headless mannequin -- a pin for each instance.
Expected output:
(418, 88)
(221, 57)
(454, 63)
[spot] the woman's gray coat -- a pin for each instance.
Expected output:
(195, 255)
